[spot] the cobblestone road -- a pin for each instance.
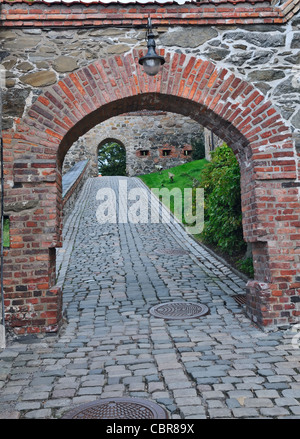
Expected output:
(216, 366)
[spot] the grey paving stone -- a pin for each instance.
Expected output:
(212, 404)
(22, 406)
(265, 372)
(184, 392)
(30, 396)
(258, 402)
(173, 385)
(274, 411)
(293, 393)
(266, 393)
(77, 400)
(282, 402)
(276, 386)
(240, 394)
(219, 413)
(295, 410)
(192, 410)
(188, 400)
(245, 413)
(218, 366)
(10, 414)
(58, 403)
(64, 393)
(38, 414)
(214, 394)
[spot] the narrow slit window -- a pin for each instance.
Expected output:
(166, 152)
(144, 153)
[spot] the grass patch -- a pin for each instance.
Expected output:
(184, 176)
(187, 176)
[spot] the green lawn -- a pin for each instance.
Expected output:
(184, 177)
(6, 242)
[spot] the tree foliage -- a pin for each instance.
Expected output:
(223, 217)
(112, 159)
(198, 148)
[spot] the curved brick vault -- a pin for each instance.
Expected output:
(214, 97)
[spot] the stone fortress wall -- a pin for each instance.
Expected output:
(149, 138)
(266, 55)
(70, 67)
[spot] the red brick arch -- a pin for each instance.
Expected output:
(213, 96)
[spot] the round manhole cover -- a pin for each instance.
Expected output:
(171, 251)
(179, 310)
(118, 408)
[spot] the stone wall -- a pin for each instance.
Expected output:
(72, 67)
(149, 138)
(72, 183)
(211, 142)
(266, 55)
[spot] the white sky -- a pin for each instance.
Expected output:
(180, 2)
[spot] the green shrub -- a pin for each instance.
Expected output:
(246, 266)
(223, 217)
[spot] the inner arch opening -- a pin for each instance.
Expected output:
(111, 158)
(159, 102)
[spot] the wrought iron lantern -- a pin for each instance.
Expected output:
(151, 62)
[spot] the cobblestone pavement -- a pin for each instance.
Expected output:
(216, 366)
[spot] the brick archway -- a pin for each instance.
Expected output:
(217, 99)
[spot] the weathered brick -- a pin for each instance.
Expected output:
(111, 86)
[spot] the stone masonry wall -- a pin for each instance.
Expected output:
(71, 67)
(72, 184)
(211, 142)
(146, 136)
(266, 55)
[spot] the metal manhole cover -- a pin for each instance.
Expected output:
(179, 310)
(171, 251)
(118, 408)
